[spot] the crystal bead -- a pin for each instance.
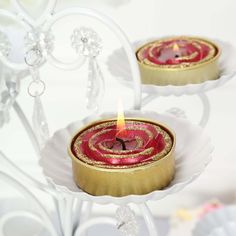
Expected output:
(43, 41)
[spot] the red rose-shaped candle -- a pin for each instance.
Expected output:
(173, 52)
(110, 156)
(114, 144)
(178, 61)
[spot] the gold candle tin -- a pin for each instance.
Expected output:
(194, 73)
(120, 182)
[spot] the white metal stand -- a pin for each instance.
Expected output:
(67, 208)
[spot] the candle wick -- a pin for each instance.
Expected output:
(122, 142)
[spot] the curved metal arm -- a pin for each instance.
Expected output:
(51, 4)
(77, 211)
(206, 109)
(20, 173)
(85, 217)
(92, 222)
(68, 220)
(148, 219)
(118, 32)
(66, 65)
(41, 209)
(148, 98)
(19, 214)
(33, 182)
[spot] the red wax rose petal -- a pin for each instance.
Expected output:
(141, 144)
(164, 53)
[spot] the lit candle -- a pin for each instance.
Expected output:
(122, 133)
(178, 61)
(175, 52)
(171, 54)
(108, 152)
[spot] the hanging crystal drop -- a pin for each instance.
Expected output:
(92, 87)
(96, 85)
(100, 81)
(36, 88)
(39, 122)
(126, 221)
(87, 43)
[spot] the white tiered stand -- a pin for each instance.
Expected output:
(68, 201)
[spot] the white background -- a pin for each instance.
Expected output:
(64, 100)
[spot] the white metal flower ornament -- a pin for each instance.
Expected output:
(39, 40)
(87, 43)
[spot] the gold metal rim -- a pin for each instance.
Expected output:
(167, 129)
(191, 67)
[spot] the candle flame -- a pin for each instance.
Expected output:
(120, 125)
(175, 47)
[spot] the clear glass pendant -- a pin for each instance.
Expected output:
(95, 87)
(39, 122)
(36, 89)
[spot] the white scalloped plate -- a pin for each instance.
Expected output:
(221, 222)
(119, 67)
(193, 153)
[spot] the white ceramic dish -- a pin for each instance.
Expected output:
(193, 153)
